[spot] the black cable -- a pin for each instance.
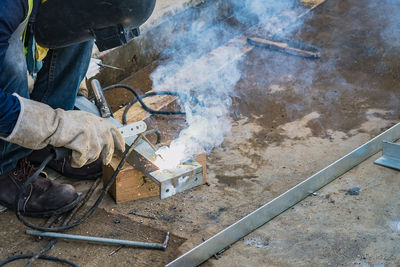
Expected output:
(151, 111)
(42, 257)
(37, 255)
(77, 222)
(138, 98)
(68, 218)
(94, 206)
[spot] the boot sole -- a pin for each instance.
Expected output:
(46, 213)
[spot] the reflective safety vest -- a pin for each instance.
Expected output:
(34, 53)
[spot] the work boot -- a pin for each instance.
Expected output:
(63, 166)
(42, 197)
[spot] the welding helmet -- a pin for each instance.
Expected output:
(111, 23)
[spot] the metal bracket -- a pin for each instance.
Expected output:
(390, 155)
(172, 181)
(179, 179)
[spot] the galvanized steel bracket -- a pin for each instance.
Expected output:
(390, 155)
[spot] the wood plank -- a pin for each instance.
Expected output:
(137, 113)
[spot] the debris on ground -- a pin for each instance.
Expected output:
(354, 191)
(257, 242)
(285, 46)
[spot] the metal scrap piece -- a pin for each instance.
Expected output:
(285, 46)
(390, 155)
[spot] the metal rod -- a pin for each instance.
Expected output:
(110, 67)
(283, 202)
(291, 48)
(102, 240)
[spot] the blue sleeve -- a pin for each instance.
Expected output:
(9, 112)
(12, 13)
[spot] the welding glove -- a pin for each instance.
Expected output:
(87, 135)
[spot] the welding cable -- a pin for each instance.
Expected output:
(43, 257)
(67, 219)
(151, 111)
(138, 98)
(88, 212)
(64, 227)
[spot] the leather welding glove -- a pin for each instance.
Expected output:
(87, 135)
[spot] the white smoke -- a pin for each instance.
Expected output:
(210, 78)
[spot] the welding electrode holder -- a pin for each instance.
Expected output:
(100, 99)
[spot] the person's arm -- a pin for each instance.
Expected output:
(35, 125)
(9, 112)
(12, 13)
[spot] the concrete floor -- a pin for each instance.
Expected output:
(292, 117)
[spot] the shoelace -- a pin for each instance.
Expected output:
(27, 168)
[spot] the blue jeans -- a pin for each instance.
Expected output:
(57, 85)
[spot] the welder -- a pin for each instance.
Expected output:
(53, 40)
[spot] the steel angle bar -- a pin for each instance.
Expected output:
(283, 202)
(102, 240)
(390, 155)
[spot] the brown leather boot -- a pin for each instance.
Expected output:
(63, 166)
(43, 197)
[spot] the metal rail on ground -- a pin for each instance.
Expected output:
(283, 202)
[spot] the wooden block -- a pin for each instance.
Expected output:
(137, 113)
(202, 159)
(130, 183)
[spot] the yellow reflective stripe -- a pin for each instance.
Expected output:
(40, 52)
(30, 7)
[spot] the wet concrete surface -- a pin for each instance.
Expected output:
(291, 118)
